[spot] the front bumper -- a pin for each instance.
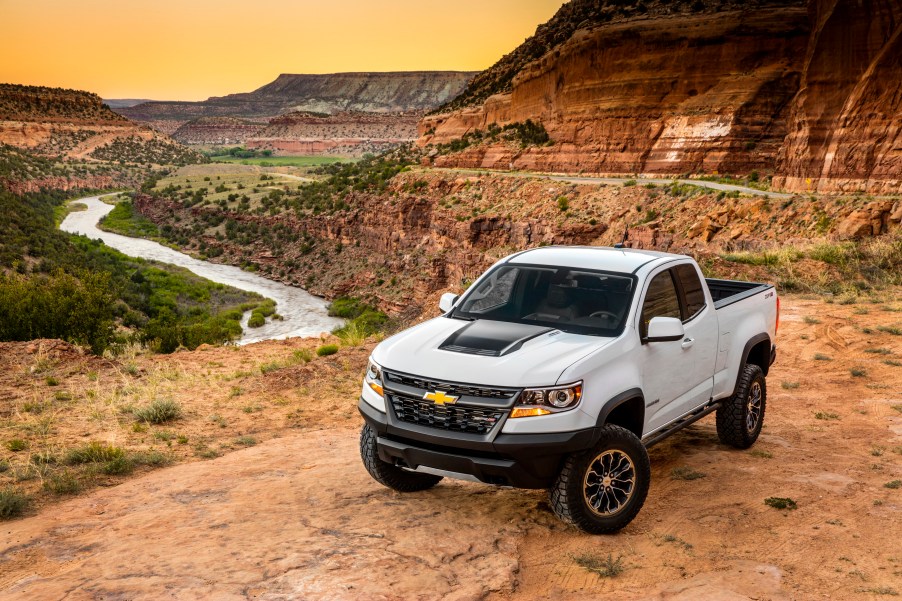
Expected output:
(521, 460)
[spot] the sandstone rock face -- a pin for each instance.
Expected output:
(845, 131)
(216, 130)
(695, 93)
(810, 91)
(346, 133)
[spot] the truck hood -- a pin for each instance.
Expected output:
(485, 352)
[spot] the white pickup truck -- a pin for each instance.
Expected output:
(559, 367)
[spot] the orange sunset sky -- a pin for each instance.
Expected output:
(193, 49)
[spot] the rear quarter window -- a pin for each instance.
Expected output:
(692, 289)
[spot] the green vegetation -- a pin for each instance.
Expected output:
(363, 320)
(752, 180)
(93, 452)
(12, 503)
(77, 307)
(780, 503)
(61, 286)
(859, 266)
(894, 484)
(155, 151)
(159, 411)
(606, 567)
(826, 415)
(326, 350)
(526, 133)
(685, 473)
(264, 158)
(123, 219)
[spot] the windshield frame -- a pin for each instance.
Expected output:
(456, 313)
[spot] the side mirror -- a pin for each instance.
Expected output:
(446, 303)
(665, 329)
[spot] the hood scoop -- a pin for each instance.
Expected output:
(491, 338)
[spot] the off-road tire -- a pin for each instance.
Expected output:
(387, 474)
(737, 424)
(569, 497)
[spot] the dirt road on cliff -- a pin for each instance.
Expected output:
(297, 517)
(619, 181)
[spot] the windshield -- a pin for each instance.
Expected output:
(573, 300)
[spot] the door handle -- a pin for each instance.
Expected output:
(687, 342)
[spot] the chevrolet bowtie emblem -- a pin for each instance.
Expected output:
(440, 398)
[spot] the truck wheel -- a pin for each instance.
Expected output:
(387, 474)
(740, 417)
(601, 490)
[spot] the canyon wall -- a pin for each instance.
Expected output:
(845, 129)
(810, 92)
(431, 231)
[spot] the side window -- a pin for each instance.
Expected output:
(660, 301)
(493, 293)
(692, 288)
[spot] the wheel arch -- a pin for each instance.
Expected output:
(627, 410)
(757, 352)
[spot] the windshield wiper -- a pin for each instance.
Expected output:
(461, 317)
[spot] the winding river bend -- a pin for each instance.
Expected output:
(305, 314)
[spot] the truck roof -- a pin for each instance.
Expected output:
(624, 260)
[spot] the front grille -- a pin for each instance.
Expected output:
(455, 418)
(451, 388)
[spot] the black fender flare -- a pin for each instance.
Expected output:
(616, 401)
(753, 341)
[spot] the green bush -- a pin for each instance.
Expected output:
(12, 503)
(77, 308)
(326, 350)
(256, 320)
(93, 452)
(159, 411)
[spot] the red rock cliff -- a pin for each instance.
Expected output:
(810, 92)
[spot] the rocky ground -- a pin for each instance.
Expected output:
(296, 516)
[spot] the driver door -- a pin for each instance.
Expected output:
(677, 376)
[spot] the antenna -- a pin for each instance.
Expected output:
(626, 235)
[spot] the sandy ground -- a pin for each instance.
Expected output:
(297, 517)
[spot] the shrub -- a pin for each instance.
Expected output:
(685, 473)
(159, 411)
(63, 483)
(16, 444)
(77, 308)
(605, 567)
(302, 355)
(118, 466)
(780, 503)
(353, 334)
(94, 452)
(563, 203)
(256, 320)
(12, 503)
(326, 350)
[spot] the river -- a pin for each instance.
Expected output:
(305, 314)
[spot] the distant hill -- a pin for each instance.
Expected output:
(39, 103)
(118, 103)
(76, 126)
(390, 92)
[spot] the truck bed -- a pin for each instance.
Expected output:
(727, 292)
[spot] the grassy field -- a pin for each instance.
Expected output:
(299, 161)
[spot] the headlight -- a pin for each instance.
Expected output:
(542, 401)
(373, 377)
